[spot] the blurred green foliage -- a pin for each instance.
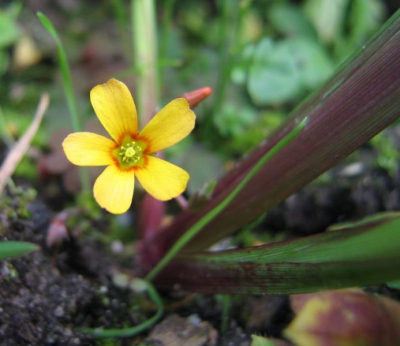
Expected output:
(283, 71)
(277, 53)
(258, 340)
(16, 204)
(9, 35)
(260, 57)
(387, 149)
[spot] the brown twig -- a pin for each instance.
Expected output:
(21, 147)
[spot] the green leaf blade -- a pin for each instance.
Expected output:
(12, 249)
(68, 91)
(65, 71)
(363, 255)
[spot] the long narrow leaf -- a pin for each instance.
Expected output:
(182, 241)
(68, 90)
(65, 71)
(364, 255)
(361, 100)
(11, 249)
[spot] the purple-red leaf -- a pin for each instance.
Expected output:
(365, 254)
(361, 100)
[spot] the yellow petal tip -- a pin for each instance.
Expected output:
(113, 189)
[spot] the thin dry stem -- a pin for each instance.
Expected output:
(21, 147)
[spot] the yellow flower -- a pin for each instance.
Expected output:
(130, 153)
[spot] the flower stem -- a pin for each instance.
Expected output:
(183, 203)
(145, 57)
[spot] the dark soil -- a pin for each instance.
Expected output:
(347, 197)
(47, 295)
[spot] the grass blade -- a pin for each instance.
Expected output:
(68, 90)
(65, 71)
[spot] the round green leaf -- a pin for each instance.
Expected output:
(312, 61)
(273, 75)
(283, 71)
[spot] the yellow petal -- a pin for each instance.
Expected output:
(115, 109)
(170, 125)
(113, 189)
(88, 149)
(162, 179)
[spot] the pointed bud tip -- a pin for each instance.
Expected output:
(196, 96)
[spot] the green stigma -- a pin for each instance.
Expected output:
(129, 154)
